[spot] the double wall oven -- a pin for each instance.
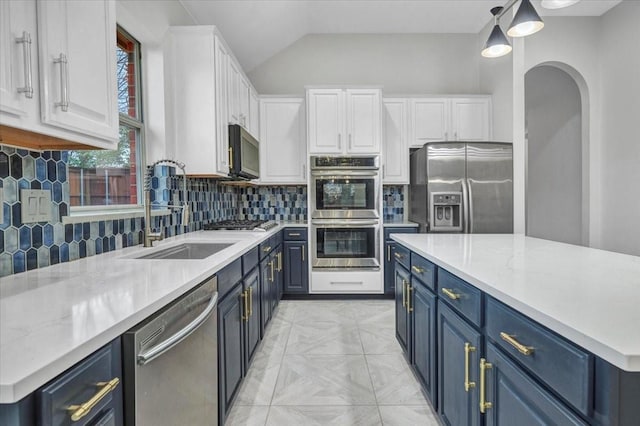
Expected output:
(345, 213)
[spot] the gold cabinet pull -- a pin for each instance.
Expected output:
(231, 157)
(484, 404)
(450, 294)
(79, 411)
(250, 301)
(245, 302)
(467, 350)
(409, 290)
(294, 234)
(418, 270)
(279, 256)
(271, 278)
(524, 350)
(267, 249)
(303, 249)
(398, 256)
(404, 289)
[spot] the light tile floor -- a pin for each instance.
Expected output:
(331, 363)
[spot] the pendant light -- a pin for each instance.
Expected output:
(526, 21)
(557, 4)
(497, 44)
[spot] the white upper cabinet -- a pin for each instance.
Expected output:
(254, 113)
(54, 79)
(471, 119)
(18, 65)
(449, 119)
(395, 148)
(283, 150)
(196, 116)
(344, 121)
(244, 95)
(429, 120)
(77, 53)
(233, 92)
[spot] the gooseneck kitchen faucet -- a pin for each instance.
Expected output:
(150, 237)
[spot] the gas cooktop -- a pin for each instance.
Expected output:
(240, 225)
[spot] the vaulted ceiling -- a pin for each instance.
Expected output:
(258, 29)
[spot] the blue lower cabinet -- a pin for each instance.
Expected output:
(296, 270)
(389, 270)
(266, 279)
(514, 398)
(251, 315)
(423, 337)
(101, 371)
(230, 349)
(402, 282)
(459, 350)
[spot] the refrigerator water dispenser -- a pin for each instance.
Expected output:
(446, 211)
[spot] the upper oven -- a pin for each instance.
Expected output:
(345, 188)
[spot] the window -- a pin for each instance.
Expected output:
(114, 178)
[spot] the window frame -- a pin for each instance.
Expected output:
(124, 210)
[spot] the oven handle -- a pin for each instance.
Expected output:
(351, 223)
(156, 351)
(342, 172)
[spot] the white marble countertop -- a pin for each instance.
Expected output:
(589, 296)
(53, 317)
(399, 223)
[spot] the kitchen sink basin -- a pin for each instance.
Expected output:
(187, 251)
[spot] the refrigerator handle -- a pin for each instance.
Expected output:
(465, 207)
(470, 209)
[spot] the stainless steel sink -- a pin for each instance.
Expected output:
(187, 251)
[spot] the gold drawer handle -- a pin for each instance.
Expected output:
(266, 249)
(450, 294)
(484, 404)
(467, 350)
(398, 255)
(79, 411)
(524, 350)
(245, 302)
(418, 270)
(294, 234)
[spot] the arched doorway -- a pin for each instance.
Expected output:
(556, 99)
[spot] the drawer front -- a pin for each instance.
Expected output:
(249, 261)
(295, 234)
(277, 238)
(78, 385)
(423, 270)
(229, 277)
(461, 296)
(400, 230)
(402, 255)
(563, 366)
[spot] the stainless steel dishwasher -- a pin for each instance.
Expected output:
(171, 363)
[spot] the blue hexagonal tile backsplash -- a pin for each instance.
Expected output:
(35, 245)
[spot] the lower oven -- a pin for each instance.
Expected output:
(345, 244)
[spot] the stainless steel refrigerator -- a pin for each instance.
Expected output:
(464, 187)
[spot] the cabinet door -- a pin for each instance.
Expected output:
(389, 273)
(513, 395)
(429, 121)
(233, 92)
(77, 45)
(423, 337)
(395, 148)
(244, 94)
(280, 274)
(325, 123)
(458, 405)
(254, 113)
(471, 119)
(265, 293)
(230, 349)
(364, 121)
(402, 280)
(17, 60)
(296, 278)
(221, 59)
(283, 148)
(251, 289)
(273, 277)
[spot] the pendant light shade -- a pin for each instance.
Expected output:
(526, 21)
(497, 44)
(557, 4)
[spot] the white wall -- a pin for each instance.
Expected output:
(554, 155)
(402, 63)
(620, 79)
(147, 22)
